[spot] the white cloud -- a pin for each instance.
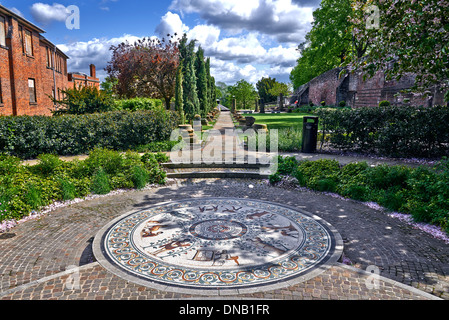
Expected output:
(205, 35)
(249, 55)
(282, 19)
(45, 13)
(171, 23)
(95, 51)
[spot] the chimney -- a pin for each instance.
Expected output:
(93, 72)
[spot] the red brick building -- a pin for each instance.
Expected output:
(32, 69)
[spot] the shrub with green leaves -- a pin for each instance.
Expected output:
(24, 188)
(27, 137)
(84, 100)
(310, 173)
(422, 192)
(100, 182)
(136, 104)
(395, 131)
(139, 177)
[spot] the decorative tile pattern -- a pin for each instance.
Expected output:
(217, 243)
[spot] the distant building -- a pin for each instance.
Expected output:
(32, 69)
(336, 85)
(78, 79)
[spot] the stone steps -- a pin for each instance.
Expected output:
(214, 170)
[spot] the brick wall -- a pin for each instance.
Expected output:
(356, 92)
(324, 87)
(6, 107)
(17, 67)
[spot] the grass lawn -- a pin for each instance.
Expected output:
(280, 120)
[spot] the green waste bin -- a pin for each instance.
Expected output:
(309, 134)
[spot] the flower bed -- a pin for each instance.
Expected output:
(24, 189)
(422, 193)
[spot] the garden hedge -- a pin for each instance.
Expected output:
(395, 131)
(422, 192)
(29, 136)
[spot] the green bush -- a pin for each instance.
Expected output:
(287, 165)
(100, 182)
(68, 189)
(355, 191)
(84, 100)
(422, 192)
(47, 164)
(27, 188)
(139, 177)
(136, 104)
(289, 139)
(27, 137)
(33, 197)
(395, 131)
(310, 173)
(157, 146)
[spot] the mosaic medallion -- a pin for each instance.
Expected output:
(215, 244)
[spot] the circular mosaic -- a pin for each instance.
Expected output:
(216, 244)
(218, 229)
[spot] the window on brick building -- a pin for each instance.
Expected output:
(32, 90)
(21, 38)
(49, 58)
(2, 31)
(58, 63)
(28, 43)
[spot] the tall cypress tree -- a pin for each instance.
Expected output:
(202, 80)
(191, 102)
(189, 79)
(179, 100)
(210, 87)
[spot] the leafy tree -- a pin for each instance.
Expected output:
(189, 84)
(263, 87)
(84, 100)
(191, 101)
(328, 43)
(211, 93)
(179, 103)
(146, 68)
(244, 93)
(411, 37)
(109, 84)
(202, 81)
(280, 88)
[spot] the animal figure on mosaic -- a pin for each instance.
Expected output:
(261, 244)
(216, 257)
(150, 231)
(172, 245)
(220, 258)
(214, 208)
(258, 215)
(289, 231)
(179, 214)
(234, 209)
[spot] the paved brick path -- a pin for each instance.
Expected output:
(35, 255)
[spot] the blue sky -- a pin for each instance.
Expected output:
(246, 39)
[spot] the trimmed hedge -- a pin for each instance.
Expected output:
(28, 136)
(136, 104)
(422, 192)
(395, 131)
